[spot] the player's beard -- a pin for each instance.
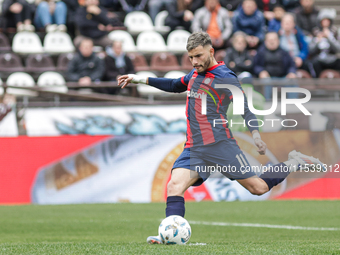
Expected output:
(206, 65)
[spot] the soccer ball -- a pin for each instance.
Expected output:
(174, 230)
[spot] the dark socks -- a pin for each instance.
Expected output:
(275, 174)
(175, 206)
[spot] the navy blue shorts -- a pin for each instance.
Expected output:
(224, 156)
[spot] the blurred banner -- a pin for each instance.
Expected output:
(150, 120)
(130, 168)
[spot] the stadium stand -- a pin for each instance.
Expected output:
(137, 22)
(52, 79)
(63, 61)
(125, 37)
(160, 22)
(58, 42)
(21, 79)
(27, 43)
(10, 62)
(329, 74)
(177, 41)
(139, 62)
(150, 41)
(174, 74)
(39, 63)
(164, 62)
(4, 43)
(185, 62)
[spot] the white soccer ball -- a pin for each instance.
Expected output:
(174, 230)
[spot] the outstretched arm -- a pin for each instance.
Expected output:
(169, 85)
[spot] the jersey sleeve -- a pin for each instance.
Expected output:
(231, 78)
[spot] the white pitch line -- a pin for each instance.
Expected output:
(258, 225)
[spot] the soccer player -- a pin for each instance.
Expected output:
(208, 144)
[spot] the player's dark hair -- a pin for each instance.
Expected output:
(198, 39)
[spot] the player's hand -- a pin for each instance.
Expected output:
(124, 80)
(261, 145)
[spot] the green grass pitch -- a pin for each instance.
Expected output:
(123, 228)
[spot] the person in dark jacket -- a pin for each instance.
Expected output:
(272, 61)
(250, 20)
(307, 16)
(17, 14)
(275, 23)
(85, 67)
(237, 57)
(116, 63)
(181, 13)
(93, 22)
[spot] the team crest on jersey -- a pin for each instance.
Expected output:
(207, 81)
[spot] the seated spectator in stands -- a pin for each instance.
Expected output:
(237, 57)
(51, 15)
(133, 5)
(290, 5)
(17, 14)
(325, 45)
(85, 67)
(293, 41)
(272, 61)
(181, 13)
(93, 23)
(213, 19)
(116, 63)
(275, 23)
(155, 6)
(249, 20)
(307, 17)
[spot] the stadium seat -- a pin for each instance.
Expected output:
(164, 61)
(150, 41)
(139, 62)
(23, 80)
(146, 90)
(185, 62)
(10, 62)
(39, 63)
(4, 43)
(125, 37)
(177, 41)
(220, 55)
(27, 43)
(63, 61)
(58, 42)
(50, 79)
(329, 74)
(137, 22)
(174, 74)
(159, 22)
(303, 74)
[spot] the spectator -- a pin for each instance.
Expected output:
(237, 57)
(17, 13)
(116, 63)
(250, 20)
(275, 23)
(51, 15)
(213, 19)
(307, 17)
(133, 5)
(325, 45)
(181, 13)
(72, 7)
(85, 67)
(155, 6)
(93, 23)
(293, 41)
(290, 5)
(272, 61)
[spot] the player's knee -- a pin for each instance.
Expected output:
(257, 190)
(174, 188)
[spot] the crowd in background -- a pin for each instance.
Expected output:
(266, 38)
